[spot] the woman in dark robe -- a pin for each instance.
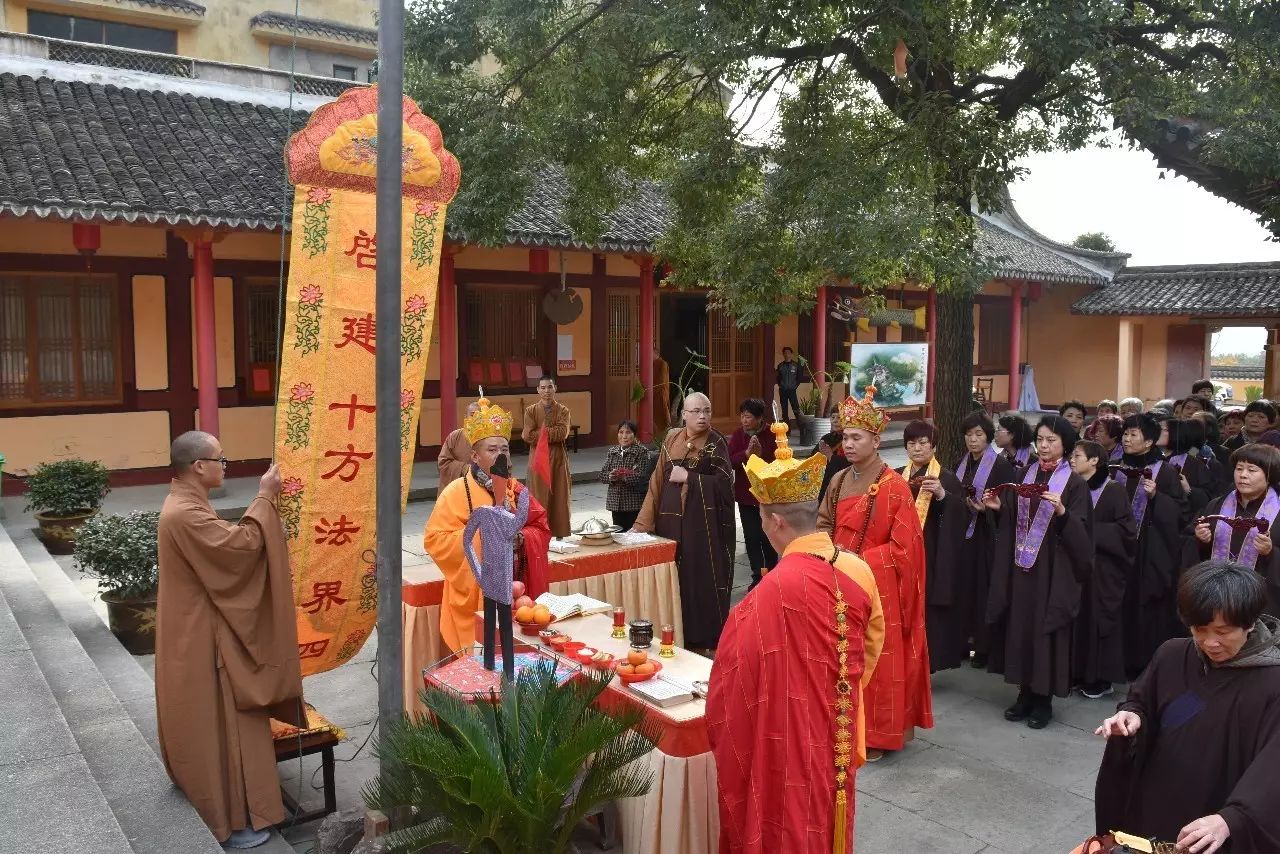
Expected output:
(1159, 507)
(1201, 475)
(690, 500)
(1099, 643)
(943, 514)
(1193, 754)
(1256, 496)
(831, 447)
(1014, 437)
(980, 469)
(1043, 554)
(1213, 447)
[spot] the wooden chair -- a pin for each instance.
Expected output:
(985, 390)
(320, 736)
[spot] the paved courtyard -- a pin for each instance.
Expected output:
(974, 783)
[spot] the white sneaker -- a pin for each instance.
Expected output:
(246, 838)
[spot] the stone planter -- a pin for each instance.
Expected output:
(811, 430)
(133, 622)
(58, 533)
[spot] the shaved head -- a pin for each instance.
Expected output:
(802, 516)
(189, 447)
(697, 398)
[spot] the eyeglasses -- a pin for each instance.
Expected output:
(222, 460)
(697, 412)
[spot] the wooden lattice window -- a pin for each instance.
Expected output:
(503, 329)
(59, 341)
(623, 311)
(993, 337)
(262, 336)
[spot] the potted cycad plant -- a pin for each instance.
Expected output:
(120, 552)
(517, 775)
(64, 494)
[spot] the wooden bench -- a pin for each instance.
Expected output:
(319, 736)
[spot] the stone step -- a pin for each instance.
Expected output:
(52, 804)
(62, 631)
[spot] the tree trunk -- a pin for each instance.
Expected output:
(953, 372)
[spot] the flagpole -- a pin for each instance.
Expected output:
(387, 364)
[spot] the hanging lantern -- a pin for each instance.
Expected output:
(86, 237)
(900, 59)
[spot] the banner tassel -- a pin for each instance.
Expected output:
(841, 843)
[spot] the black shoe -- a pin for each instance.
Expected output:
(1020, 708)
(1097, 690)
(1041, 713)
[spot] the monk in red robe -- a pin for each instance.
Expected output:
(784, 711)
(868, 509)
(489, 430)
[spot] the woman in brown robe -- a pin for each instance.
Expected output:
(690, 500)
(550, 415)
(1044, 552)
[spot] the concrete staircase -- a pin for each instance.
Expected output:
(78, 747)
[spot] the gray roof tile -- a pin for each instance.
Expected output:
(1223, 290)
(1016, 258)
(316, 27)
(177, 5)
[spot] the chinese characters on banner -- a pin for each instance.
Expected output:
(325, 406)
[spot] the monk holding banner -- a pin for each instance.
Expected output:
(489, 430)
(226, 647)
(784, 710)
(869, 510)
(546, 427)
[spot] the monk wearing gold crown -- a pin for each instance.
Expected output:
(869, 510)
(784, 710)
(488, 429)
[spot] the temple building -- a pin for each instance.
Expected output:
(142, 244)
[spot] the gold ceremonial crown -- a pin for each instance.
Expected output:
(862, 414)
(785, 480)
(487, 422)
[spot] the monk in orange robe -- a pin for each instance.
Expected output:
(489, 429)
(869, 510)
(784, 710)
(226, 647)
(455, 455)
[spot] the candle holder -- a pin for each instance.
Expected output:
(641, 634)
(667, 648)
(619, 624)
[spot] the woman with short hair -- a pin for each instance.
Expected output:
(1193, 754)
(626, 473)
(1014, 438)
(1074, 412)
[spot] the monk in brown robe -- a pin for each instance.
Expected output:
(226, 647)
(661, 393)
(455, 455)
(690, 500)
(550, 415)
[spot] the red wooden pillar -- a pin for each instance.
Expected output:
(206, 337)
(820, 334)
(1015, 343)
(447, 317)
(932, 321)
(647, 346)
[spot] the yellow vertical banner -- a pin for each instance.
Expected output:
(324, 431)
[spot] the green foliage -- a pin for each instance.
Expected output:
(515, 776)
(1252, 393)
(1096, 241)
(120, 551)
(67, 487)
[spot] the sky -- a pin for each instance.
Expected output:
(1119, 192)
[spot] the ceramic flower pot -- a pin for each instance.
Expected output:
(133, 622)
(58, 533)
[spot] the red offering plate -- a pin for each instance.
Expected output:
(1024, 490)
(637, 677)
(1239, 523)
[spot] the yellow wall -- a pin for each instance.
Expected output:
(484, 258)
(1238, 388)
(150, 336)
(224, 320)
(245, 431)
(620, 265)
(42, 237)
(119, 440)
(1074, 356)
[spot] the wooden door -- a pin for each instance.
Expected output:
(623, 354)
(1184, 359)
(733, 356)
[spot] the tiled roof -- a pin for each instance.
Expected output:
(1014, 257)
(316, 27)
(176, 5)
(634, 227)
(1236, 372)
(1208, 290)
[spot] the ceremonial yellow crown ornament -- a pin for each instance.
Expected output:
(786, 480)
(487, 421)
(862, 414)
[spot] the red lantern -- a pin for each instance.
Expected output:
(900, 59)
(86, 237)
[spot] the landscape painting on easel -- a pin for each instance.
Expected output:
(898, 371)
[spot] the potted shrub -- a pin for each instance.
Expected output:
(64, 494)
(516, 775)
(120, 552)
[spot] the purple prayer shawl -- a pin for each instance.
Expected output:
(1095, 494)
(1222, 531)
(1022, 456)
(1031, 531)
(980, 478)
(1140, 497)
(1117, 454)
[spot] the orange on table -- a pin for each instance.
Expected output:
(524, 614)
(637, 657)
(626, 668)
(542, 615)
(645, 668)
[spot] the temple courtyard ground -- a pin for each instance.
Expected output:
(974, 783)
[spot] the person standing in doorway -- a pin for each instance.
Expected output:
(551, 416)
(751, 438)
(789, 376)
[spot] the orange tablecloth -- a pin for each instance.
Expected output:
(642, 579)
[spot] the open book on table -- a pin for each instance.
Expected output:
(573, 605)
